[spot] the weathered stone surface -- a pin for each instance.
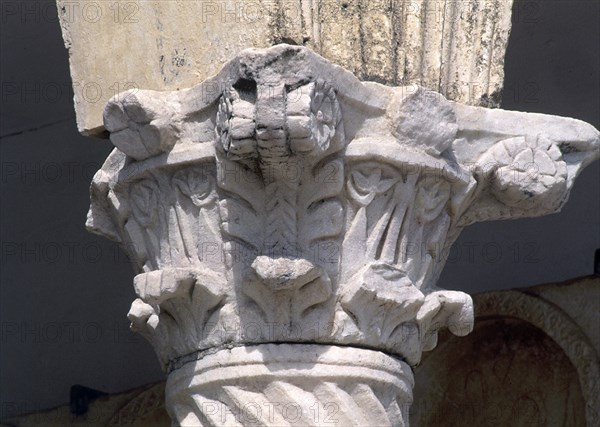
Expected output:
(512, 370)
(291, 385)
(532, 360)
(284, 202)
(455, 48)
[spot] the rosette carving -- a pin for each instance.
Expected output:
(197, 186)
(313, 116)
(526, 173)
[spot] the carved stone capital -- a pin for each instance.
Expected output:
(285, 201)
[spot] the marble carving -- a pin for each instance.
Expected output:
(289, 223)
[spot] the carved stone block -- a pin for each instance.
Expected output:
(284, 202)
(455, 48)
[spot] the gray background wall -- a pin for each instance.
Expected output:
(64, 293)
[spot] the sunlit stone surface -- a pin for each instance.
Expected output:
(289, 223)
(453, 47)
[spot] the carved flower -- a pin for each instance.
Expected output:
(196, 185)
(144, 202)
(432, 196)
(325, 112)
(528, 174)
(313, 117)
(363, 189)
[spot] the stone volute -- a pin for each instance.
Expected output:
(289, 222)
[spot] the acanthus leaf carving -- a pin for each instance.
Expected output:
(312, 208)
(175, 300)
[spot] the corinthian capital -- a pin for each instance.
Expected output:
(283, 210)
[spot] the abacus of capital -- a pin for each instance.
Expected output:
(289, 223)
